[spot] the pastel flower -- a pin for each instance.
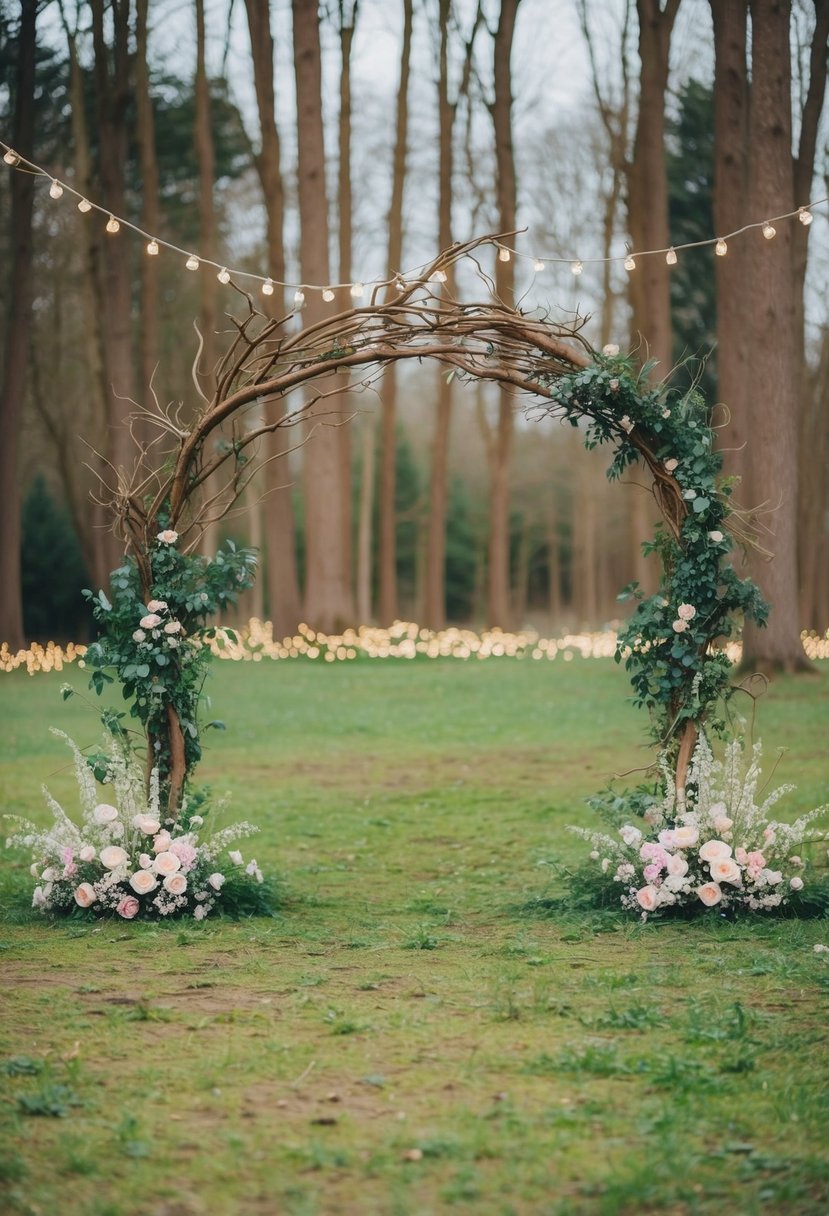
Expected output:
(796, 861)
(235, 856)
(142, 882)
(713, 849)
(630, 835)
(113, 856)
(666, 838)
(162, 842)
(679, 625)
(605, 865)
(625, 871)
(104, 813)
(146, 824)
(710, 893)
(49, 874)
(69, 870)
(647, 898)
(185, 852)
(39, 898)
(725, 869)
(716, 537)
(772, 877)
(166, 863)
(677, 865)
(87, 853)
(196, 821)
(768, 835)
(85, 895)
(611, 350)
(626, 424)
(157, 605)
(216, 881)
(755, 859)
(689, 495)
(613, 385)
(128, 907)
(199, 912)
(139, 635)
(168, 536)
(796, 883)
(651, 871)
(686, 612)
(666, 413)
(723, 824)
(145, 861)
(671, 464)
(173, 627)
(686, 837)
(176, 884)
(150, 621)
(741, 855)
(34, 869)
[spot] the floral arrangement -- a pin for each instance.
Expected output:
(127, 857)
(710, 845)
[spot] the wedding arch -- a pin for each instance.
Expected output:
(194, 467)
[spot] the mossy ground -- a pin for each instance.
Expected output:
(410, 1034)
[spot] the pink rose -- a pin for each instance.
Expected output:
(173, 627)
(166, 863)
(647, 898)
(176, 884)
(686, 836)
(85, 895)
(149, 621)
(145, 861)
(686, 612)
(671, 464)
(677, 865)
(168, 536)
(146, 824)
(679, 626)
(710, 894)
(796, 883)
(142, 882)
(185, 852)
(162, 842)
(741, 855)
(113, 856)
(652, 871)
(756, 860)
(87, 853)
(104, 813)
(723, 824)
(157, 605)
(666, 838)
(725, 869)
(69, 870)
(713, 849)
(716, 537)
(128, 907)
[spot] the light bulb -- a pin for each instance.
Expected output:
(11, 157)
(538, 266)
(504, 255)
(267, 287)
(224, 275)
(84, 205)
(112, 224)
(769, 231)
(439, 276)
(55, 190)
(721, 248)
(670, 257)
(152, 248)
(357, 290)
(192, 262)
(328, 295)
(805, 216)
(299, 298)
(630, 262)
(576, 268)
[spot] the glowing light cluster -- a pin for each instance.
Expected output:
(40, 658)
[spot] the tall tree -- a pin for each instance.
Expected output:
(387, 555)
(280, 526)
(17, 330)
(347, 24)
(148, 163)
(328, 601)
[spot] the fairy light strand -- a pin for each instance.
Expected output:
(358, 288)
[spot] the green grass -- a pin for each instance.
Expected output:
(407, 1036)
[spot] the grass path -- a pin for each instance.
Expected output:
(411, 1035)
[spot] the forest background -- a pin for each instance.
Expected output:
(596, 127)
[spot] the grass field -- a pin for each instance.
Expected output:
(412, 1033)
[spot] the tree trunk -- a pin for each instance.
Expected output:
(280, 528)
(345, 241)
(774, 372)
(17, 333)
(364, 521)
(149, 286)
(387, 559)
(328, 602)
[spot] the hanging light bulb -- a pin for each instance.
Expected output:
(267, 287)
(576, 268)
(55, 190)
(538, 266)
(84, 205)
(328, 295)
(11, 157)
(805, 216)
(113, 225)
(192, 262)
(357, 290)
(152, 248)
(299, 298)
(224, 275)
(721, 248)
(630, 262)
(769, 231)
(670, 256)
(504, 255)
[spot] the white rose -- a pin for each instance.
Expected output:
(235, 856)
(671, 464)
(146, 824)
(139, 635)
(686, 612)
(157, 605)
(611, 350)
(677, 865)
(85, 895)
(145, 861)
(166, 863)
(196, 821)
(176, 884)
(772, 877)
(631, 835)
(216, 881)
(713, 849)
(113, 856)
(173, 627)
(625, 423)
(679, 625)
(716, 536)
(87, 853)
(796, 883)
(723, 824)
(49, 874)
(39, 898)
(142, 882)
(674, 882)
(104, 813)
(725, 869)
(686, 836)
(168, 536)
(647, 898)
(150, 621)
(710, 894)
(162, 842)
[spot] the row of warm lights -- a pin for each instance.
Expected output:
(404, 640)
(357, 289)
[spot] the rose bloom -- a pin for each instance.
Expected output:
(168, 536)
(162, 842)
(199, 912)
(235, 856)
(150, 621)
(741, 855)
(686, 612)
(725, 869)
(157, 605)
(679, 626)
(686, 837)
(716, 536)
(113, 856)
(49, 874)
(145, 861)
(611, 350)
(722, 824)
(128, 907)
(173, 627)
(796, 861)
(85, 895)
(624, 422)
(104, 813)
(671, 464)
(630, 835)
(146, 824)
(87, 853)
(38, 898)
(756, 860)
(647, 898)
(166, 863)
(713, 849)
(216, 881)
(677, 865)
(142, 882)
(651, 872)
(710, 893)
(185, 852)
(139, 635)
(796, 883)
(176, 884)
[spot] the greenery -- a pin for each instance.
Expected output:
(414, 1032)
(52, 569)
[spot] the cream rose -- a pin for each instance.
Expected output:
(679, 625)
(139, 635)
(87, 853)
(166, 863)
(113, 856)
(677, 865)
(723, 824)
(157, 605)
(611, 350)
(173, 627)
(162, 842)
(710, 894)
(686, 612)
(85, 895)
(235, 856)
(631, 835)
(146, 824)
(647, 898)
(796, 883)
(671, 464)
(104, 813)
(142, 882)
(150, 621)
(168, 537)
(39, 899)
(716, 536)
(145, 861)
(725, 869)
(176, 884)
(686, 836)
(216, 881)
(713, 849)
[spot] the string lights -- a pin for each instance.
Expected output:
(357, 289)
